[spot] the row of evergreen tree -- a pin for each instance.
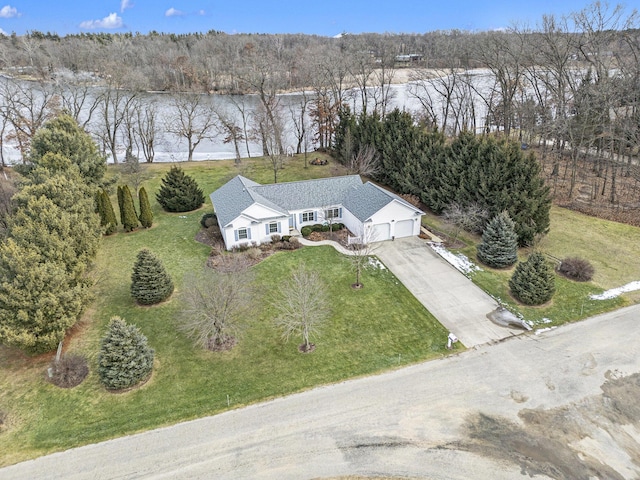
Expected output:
(52, 238)
(469, 169)
(129, 218)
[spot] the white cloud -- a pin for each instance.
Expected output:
(172, 12)
(202, 13)
(9, 12)
(124, 4)
(110, 21)
(2, 32)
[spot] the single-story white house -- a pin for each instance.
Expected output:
(248, 212)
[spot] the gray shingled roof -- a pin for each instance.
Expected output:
(366, 200)
(362, 200)
(322, 192)
(231, 199)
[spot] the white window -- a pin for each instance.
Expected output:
(273, 227)
(332, 213)
(308, 217)
(242, 234)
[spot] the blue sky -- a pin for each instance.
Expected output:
(321, 17)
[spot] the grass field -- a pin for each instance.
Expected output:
(377, 328)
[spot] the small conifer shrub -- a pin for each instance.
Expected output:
(179, 192)
(533, 281)
(150, 282)
(125, 358)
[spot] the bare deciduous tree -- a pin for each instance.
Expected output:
(303, 306)
(216, 304)
(361, 250)
(147, 129)
(193, 120)
(365, 161)
(114, 104)
(471, 218)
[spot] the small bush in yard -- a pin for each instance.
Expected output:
(533, 281)
(292, 244)
(306, 231)
(208, 220)
(69, 372)
(125, 358)
(577, 269)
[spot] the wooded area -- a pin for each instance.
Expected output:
(567, 86)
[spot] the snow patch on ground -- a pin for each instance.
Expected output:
(458, 260)
(616, 292)
(541, 330)
(375, 263)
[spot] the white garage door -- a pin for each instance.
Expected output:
(381, 232)
(404, 228)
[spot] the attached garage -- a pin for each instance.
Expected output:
(381, 232)
(404, 228)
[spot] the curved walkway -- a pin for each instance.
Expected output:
(336, 245)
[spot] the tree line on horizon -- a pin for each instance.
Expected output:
(567, 85)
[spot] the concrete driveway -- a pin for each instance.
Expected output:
(452, 298)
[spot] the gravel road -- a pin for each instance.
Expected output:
(561, 404)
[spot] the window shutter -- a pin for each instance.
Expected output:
(279, 229)
(235, 232)
(248, 234)
(300, 217)
(340, 212)
(266, 226)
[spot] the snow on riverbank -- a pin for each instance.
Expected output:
(616, 292)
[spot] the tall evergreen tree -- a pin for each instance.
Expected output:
(121, 203)
(448, 172)
(128, 213)
(533, 281)
(125, 358)
(499, 246)
(150, 282)
(107, 215)
(179, 192)
(52, 238)
(146, 216)
(43, 286)
(62, 135)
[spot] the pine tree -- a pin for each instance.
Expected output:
(499, 247)
(110, 221)
(129, 216)
(533, 281)
(121, 203)
(98, 206)
(125, 358)
(146, 216)
(62, 135)
(52, 237)
(150, 282)
(179, 192)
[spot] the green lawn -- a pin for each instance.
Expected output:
(379, 327)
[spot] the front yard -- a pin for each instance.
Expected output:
(377, 328)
